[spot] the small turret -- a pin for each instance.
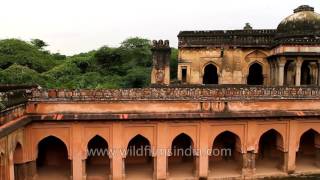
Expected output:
(161, 53)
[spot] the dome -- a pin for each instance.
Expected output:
(304, 23)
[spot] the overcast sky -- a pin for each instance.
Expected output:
(74, 26)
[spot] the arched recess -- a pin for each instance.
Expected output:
(290, 73)
(309, 72)
(18, 162)
(181, 162)
(210, 74)
(226, 155)
(255, 76)
(62, 138)
(98, 161)
(139, 160)
(270, 157)
(306, 157)
(260, 58)
(52, 160)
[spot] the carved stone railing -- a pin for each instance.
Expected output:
(218, 93)
(13, 97)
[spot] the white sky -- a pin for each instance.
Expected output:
(74, 26)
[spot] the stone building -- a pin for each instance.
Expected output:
(272, 129)
(288, 55)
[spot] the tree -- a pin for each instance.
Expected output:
(136, 42)
(40, 44)
(20, 52)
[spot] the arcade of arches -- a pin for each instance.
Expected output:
(270, 154)
(283, 71)
(295, 71)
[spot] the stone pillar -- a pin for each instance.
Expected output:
(77, 153)
(161, 152)
(299, 62)
(117, 159)
(31, 169)
(290, 156)
(318, 72)
(283, 164)
(249, 164)
(203, 156)
(281, 63)
(271, 72)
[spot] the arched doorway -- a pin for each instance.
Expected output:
(52, 161)
(181, 163)
(306, 73)
(210, 75)
(18, 161)
(270, 155)
(97, 162)
(306, 159)
(226, 157)
(139, 160)
(255, 76)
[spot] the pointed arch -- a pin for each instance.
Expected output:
(182, 134)
(226, 154)
(256, 54)
(270, 152)
(300, 135)
(139, 160)
(280, 138)
(103, 143)
(53, 156)
(52, 136)
(97, 164)
(255, 75)
(210, 74)
(237, 138)
(181, 157)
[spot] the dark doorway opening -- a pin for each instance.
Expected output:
(306, 73)
(226, 157)
(306, 159)
(270, 156)
(98, 162)
(255, 76)
(52, 161)
(210, 75)
(181, 163)
(139, 160)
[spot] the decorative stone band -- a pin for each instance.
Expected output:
(179, 94)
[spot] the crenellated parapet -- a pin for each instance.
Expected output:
(161, 53)
(160, 44)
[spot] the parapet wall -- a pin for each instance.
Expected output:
(179, 94)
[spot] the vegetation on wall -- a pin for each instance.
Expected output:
(127, 66)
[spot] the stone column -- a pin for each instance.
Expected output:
(77, 153)
(318, 72)
(299, 62)
(31, 169)
(161, 167)
(248, 164)
(203, 155)
(281, 63)
(117, 159)
(290, 156)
